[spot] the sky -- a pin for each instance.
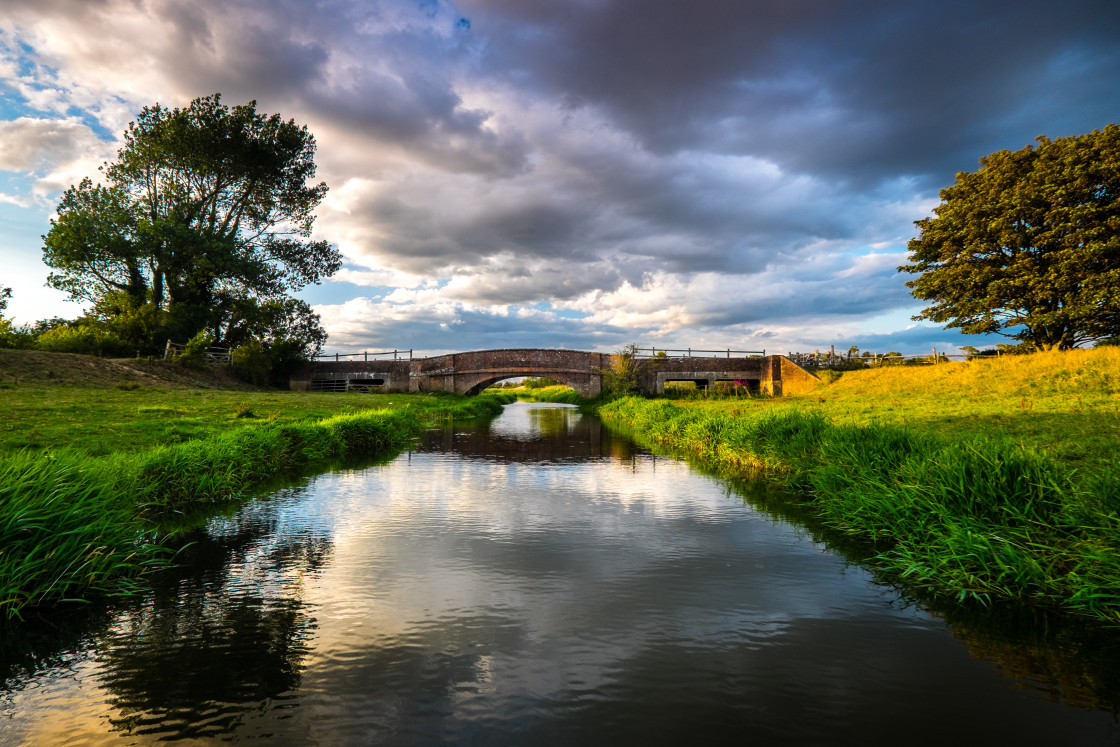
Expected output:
(584, 174)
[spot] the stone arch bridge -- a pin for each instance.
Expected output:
(471, 372)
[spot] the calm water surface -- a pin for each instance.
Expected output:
(533, 581)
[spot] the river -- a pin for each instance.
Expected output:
(537, 580)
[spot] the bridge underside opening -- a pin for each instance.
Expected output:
(685, 382)
(348, 384)
(491, 381)
(750, 386)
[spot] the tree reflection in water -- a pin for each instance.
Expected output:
(227, 635)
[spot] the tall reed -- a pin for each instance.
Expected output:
(66, 531)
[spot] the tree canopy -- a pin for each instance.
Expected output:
(1028, 246)
(203, 224)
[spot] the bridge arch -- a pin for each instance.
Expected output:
(470, 373)
(575, 381)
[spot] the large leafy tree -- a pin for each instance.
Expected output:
(204, 224)
(1028, 246)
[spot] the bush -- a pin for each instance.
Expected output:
(194, 352)
(15, 337)
(621, 378)
(143, 328)
(253, 362)
(81, 340)
(539, 382)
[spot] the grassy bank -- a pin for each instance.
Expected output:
(100, 407)
(1063, 404)
(84, 503)
(957, 495)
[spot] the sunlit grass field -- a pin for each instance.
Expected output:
(105, 421)
(1065, 404)
(99, 407)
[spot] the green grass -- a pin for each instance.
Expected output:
(105, 421)
(905, 463)
(91, 478)
(1063, 404)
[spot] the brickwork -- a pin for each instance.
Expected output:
(470, 373)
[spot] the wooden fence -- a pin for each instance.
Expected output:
(211, 354)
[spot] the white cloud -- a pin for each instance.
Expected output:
(30, 144)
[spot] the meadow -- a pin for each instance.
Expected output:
(1065, 404)
(102, 463)
(992, 480)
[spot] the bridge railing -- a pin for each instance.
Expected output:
(832, 359)
(692, 353)
(365, 355)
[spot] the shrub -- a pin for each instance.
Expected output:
(194, 352)
(621, 378)
(253, 362)
(82, 340)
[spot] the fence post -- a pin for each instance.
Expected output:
(336, 357)
(365, 356)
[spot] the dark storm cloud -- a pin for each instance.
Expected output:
(856, 90)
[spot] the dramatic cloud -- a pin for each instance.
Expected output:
(586, 174)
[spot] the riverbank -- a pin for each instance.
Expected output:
(92, 479)
(956, 493)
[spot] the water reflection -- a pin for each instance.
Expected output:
(540, 581)
(531, 433)
(224, 632)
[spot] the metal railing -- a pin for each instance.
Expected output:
(364, 355)
(693, 353)
(832, 359)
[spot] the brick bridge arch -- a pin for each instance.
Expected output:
(470, 373)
